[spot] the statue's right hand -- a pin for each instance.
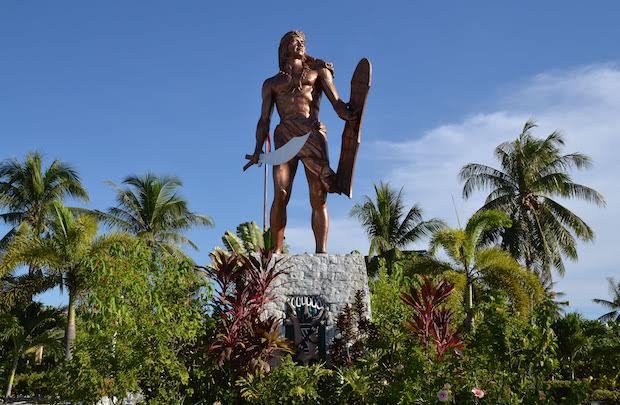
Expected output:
(253, 159)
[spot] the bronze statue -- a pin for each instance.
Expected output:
(296, 93)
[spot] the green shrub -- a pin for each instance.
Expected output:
(606, 397)
(286, 384)
(568, 392)
(34, 384)
(140, 316)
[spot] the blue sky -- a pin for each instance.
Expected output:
(117, 88)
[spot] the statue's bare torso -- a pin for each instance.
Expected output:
(303, 103)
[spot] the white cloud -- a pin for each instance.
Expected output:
(584, 104)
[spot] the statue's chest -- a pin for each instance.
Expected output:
(300, 82)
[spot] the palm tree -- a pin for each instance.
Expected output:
(63, 253)
(151, 208)
(613, 305)
(27, 329)
(533, 173)
(571, 340)
(476, 263)
(27, 191)
(390, 227)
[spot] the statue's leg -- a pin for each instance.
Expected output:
(283, 176)
(320, 220)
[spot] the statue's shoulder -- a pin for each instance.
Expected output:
(318, 64)
(273, 80)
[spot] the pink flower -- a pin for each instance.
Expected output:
(443, 396)
(478, 393)
(447, 387)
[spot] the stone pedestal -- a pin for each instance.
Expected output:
(330, 279)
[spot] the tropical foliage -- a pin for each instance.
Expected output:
(388, 223)
(390, 226)
(248, 238)
(151, 208)
(143, 318)
(430, 322)
(288, 384)
(30, 330)
(27, 191)
(141, 321)
(355, 331)
(613, 304)
(571, 340)
(62, 252)
(245, 340)
(533, 174)
(486, 267)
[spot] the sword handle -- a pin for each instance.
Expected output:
(250, 163)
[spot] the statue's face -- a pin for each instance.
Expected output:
(296, 47)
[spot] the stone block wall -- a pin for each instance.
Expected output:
(333, 278)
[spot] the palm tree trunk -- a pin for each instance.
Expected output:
(12, 376)
(469, 294)
(31, 270)
(70, 328)
(469, 305)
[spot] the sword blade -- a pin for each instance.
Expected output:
(285, 152)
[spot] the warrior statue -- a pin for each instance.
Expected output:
(296, 92)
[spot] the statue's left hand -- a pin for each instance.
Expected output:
(346, 111)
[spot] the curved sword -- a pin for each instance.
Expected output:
(281, 155)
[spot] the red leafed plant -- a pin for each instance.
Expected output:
(443, 337)
(429, 321)
(245, 338)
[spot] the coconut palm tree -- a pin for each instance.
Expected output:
(151, 208)
(26, 330)
(27, 191)
(533, 174)
(613, 304)
(62, 252)
(388, 223)
(477, 264)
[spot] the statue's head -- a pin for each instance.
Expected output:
(292, 45)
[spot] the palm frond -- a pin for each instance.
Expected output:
(19, 290)
(477, 176)
(574, 190)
